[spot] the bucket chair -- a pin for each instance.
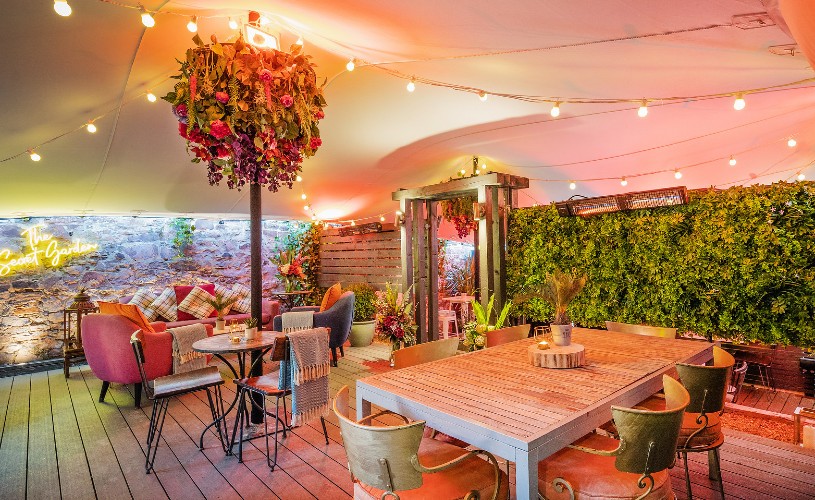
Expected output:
(397, 461)
(634, 466)
(652, 331)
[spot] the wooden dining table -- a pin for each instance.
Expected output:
(496, 400)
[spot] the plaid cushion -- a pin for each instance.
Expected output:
(244, 305)
(143, 299)
(227, 294)
(165, 305)
(242, 290)
(196, 303)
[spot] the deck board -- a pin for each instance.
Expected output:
(57, 440)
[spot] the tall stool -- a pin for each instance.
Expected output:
(447, 317)
(163, 388)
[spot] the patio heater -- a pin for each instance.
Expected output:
(72, 328)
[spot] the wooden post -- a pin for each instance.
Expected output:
(433, 271)
(420, 291)
(406, 231)
(256, 278)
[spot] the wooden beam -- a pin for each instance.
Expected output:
(420, 292)
(460, 187)
(433, 271)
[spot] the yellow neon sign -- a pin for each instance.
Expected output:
(43, 249)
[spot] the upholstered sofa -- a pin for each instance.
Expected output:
(269, 309)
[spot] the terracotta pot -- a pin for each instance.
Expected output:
(362, 333)
(561, 334)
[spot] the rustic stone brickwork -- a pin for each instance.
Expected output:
(133, 252)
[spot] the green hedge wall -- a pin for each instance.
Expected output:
(736, 263)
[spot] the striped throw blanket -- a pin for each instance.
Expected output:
(184, 358)
(298, 320)
(306, 373)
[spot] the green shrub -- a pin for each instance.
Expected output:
(364, 301)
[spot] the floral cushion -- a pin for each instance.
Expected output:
(195, 303)
(244, 305)
(143, 299)
(165, 305)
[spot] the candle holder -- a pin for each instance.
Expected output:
(804, 434)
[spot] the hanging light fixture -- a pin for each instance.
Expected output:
(411, 85)
(555, 111)
(792, 142)
(623, 182)
(572, 185)
(351, 65)
(34, 156)
(62, 8)
(801, 176)
(147, 19)
(482, 95)
(739, 103)
(677, 174)
(151, 97)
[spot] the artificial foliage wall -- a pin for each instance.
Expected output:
(737, 263)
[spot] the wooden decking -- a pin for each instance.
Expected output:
(58, 441)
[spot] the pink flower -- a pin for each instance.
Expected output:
(266, 75)
(180, 110)
(319, 114)
(219, 129)
(315, 143)
(222, 97)
(286, 101)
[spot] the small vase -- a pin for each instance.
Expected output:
(395, 346)
(250, 333)
(220, 324)
(561, 334)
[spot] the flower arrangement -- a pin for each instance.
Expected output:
(290, 268)
(475, 331)
(394, 317)
(251, 115)
(459, 211)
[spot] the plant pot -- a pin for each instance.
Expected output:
(362, 333)
(561, 334)
(250, 333)
(220, 324)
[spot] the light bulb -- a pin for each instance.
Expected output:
(572, 185)
(147, 19)
(792, 142)
(462, 171)
(298, 179)
(732, 162)
(801, 176)
(677, 174)
(739, 103)
(623, 182)
(192, 26)
(382, 219)
(299, 41)
(306, 207)
(555, 111)
(411, 85)
(233, 24)
(62, 8)
(351, 65)
(303, 196)
(91, 127)
(353, 223)
(483, 166)
(642, 112)
(313, 217)
(35, 156)
(482, 95)
(151, 97)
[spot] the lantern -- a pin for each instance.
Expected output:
(72, 327)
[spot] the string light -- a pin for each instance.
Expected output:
(306, 207)
(801, 176)
(298, 179)
(351, 65)
(411, 85)
(91, 127)
(313, 217)
(572, 185)
(483, 165)
(792, 142)
(462, 172)
(677, 174)
(34, 155)
(642, 112)
(732, 161)
(62, 8)
(303, 196)
(353, 223)
(623, 182)
(739, 103)
(151, 97)
(192, 26)
(382, 219)
(482, 95)
(299, 41)
(147, 19)
(233, 24)
(555, 111)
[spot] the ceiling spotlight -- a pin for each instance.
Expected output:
(792, 142)
(411, 85)
(192, 26)
(482, 95)
(233, 24)
(299, 41)
(739, 103)
(151, 97)
(34, 155)
(351, 65)
(642, 112)
(62, 8)
(801, 176)
(677, 174)
(298, 179)
(732, 161)
(555, 111)
(572, 185)
(303, 196)
(91, 127)
(623, 182)
(147, 19)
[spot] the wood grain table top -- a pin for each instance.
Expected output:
(221, 344)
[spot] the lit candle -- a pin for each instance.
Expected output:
(809, 437)
(543, 345)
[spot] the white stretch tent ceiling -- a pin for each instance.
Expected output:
(377, 137)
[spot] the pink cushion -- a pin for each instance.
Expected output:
(181, 292)
(594, 476)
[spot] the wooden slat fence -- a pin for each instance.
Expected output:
(373, 258)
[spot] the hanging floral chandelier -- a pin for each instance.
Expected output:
(251, 115)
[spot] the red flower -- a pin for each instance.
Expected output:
(219, 129)
(221, 97)
(319, 114)
(266, 75)
(315, 143)
(182, 130)
(286, 101)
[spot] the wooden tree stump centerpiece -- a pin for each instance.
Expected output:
(567, 356)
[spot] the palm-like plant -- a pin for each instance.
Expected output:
(558, 290)
(220, 304)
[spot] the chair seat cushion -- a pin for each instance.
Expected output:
(171, 385)
(594, 476)
(707, 437)
(454, 483)
(268, 384)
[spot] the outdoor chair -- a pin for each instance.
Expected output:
(391, 459)
(634, 466)
(448, 318)
(653, 331)
(424, 353)
(736, 381)
(504, 335)
(162, 389)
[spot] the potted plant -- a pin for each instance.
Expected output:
(394, 318)
(475, 331)
(251, 329)
(363, 327)
(222, 307)
(558, 290)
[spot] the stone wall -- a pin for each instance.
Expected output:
(133, 252)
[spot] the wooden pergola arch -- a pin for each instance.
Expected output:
(498, 195)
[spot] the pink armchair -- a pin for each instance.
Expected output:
(106, 340)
